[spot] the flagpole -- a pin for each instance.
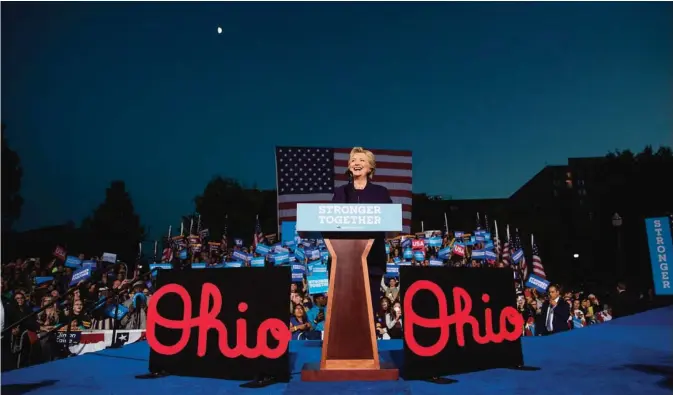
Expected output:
(446, 224)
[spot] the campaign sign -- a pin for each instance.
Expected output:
(538, 283)
(661, 249)
(80, 275)
(458, 320)
(210, 324)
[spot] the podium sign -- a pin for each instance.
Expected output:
(342, 217)
(349, 349)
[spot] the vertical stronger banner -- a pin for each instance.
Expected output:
(661, 251)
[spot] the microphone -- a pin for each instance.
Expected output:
(350, 176)
(350, 188)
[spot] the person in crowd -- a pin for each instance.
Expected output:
(80, 320)
(392, 291)
(556, 312)
(316, 316)
(624, 302)
(299, 324)
(394, 321)
(137, 303)
(23, 336)
(380, 319)
(298, 300)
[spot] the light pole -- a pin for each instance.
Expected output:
(617, 224)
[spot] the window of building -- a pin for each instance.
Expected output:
(569, 183)
(569, 175)
(555, 192)
(580, 182)
(591, 216)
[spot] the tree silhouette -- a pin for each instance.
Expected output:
(224, 200)
(635, 186)
(11, 184)
(114, 226)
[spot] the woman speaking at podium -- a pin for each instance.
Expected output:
(360, 189)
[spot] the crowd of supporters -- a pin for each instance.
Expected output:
(110, 297)
(307, 313)
(51, 311)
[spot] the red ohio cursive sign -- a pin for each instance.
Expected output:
(462, 316)
(207, 320)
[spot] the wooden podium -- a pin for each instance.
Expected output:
(349, 350)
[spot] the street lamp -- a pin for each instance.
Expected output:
(617, 224)
(616, 220)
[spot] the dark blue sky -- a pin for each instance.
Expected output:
(483, 93)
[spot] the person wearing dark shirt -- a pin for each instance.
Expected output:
(556, 312)
(362, 166)
(624, 303)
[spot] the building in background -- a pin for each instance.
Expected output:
(558, 206)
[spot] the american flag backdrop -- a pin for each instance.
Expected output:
(309, 175)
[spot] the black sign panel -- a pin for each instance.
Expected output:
(220, 323)
(459, 320)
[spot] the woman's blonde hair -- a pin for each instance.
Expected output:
(370, 158)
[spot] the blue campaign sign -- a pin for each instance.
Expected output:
(298, 272)
(80, 275)
(280, 259)
(318, 283)
(288, 229)
(42, 280)
(262, 249)
(233, 264)
(198, 265)
(257, 262)
(73, 262)
(661, 248)
(444, 252)
(392, 270)
(538, 283)
(300, 254)
(434, 241)
(317, 268)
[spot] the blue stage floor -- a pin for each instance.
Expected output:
(633, 355)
